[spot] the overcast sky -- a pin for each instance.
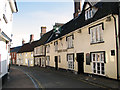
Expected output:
(32, 15)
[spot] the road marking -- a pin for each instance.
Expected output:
(38, 83)
(32, 80)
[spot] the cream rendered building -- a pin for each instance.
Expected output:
(25, 55)
(87, 44)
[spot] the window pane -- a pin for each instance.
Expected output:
(93, 57)
(101, 33)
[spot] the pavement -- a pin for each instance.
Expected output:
(17, 79)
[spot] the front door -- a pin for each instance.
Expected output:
(28, 63)
(80, 60)
(40, 62)
(56, 62)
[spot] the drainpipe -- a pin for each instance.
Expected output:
(116, 46)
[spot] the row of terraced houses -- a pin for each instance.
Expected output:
(89, 43)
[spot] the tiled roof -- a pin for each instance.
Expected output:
(15, 49)
(29, 47)
(44, 38)
(104, 9)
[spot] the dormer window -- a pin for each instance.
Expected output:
(88, 13)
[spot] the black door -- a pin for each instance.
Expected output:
(40, 62)
(80, 60)
(56, 62)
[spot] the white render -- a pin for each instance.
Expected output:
(7, 8)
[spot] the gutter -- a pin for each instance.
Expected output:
(116, 46)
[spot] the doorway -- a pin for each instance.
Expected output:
(40, 62)
(80, 60)
(56, 62)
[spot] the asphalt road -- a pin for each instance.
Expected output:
(50, 78)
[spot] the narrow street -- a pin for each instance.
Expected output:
(50, 78)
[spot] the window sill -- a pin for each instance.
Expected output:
(96, 42)
(70, 48)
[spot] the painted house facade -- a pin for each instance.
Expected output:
(13, 54)
(7, 8)
(40, 50)
(25, 54)
(88, 43)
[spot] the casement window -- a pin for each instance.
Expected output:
(70, 59)
(96, 34)
(70, 41)
(26, 61)
(36, 49)
(98, 62)
(48, 48)
(31, 54)
(31, 61)
(26, 54)
(88, 13)
(48, 60)
(56, 45)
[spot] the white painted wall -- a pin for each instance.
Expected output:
(7, 29)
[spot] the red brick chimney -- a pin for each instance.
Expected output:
(77, 8)
(23, 41)
(31, 37)
(43, 31)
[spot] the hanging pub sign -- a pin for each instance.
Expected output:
(87, 59)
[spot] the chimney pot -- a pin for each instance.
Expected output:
(23, 41)
(31, 37)
(77, 7)
(43, 31)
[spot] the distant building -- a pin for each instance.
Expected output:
(25, 54)
(13, 54)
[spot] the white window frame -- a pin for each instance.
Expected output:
(26, 54)
(98, 61)
(26, 61)
(31, 54)
(56, 45)
(48, 60)
(70, 42)
(88, 13)
(96, 34)
(48, 48)
(70, 58)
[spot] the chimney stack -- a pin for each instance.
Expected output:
(23, 41)
(43, 31)
(77, 8)
(31, 38)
